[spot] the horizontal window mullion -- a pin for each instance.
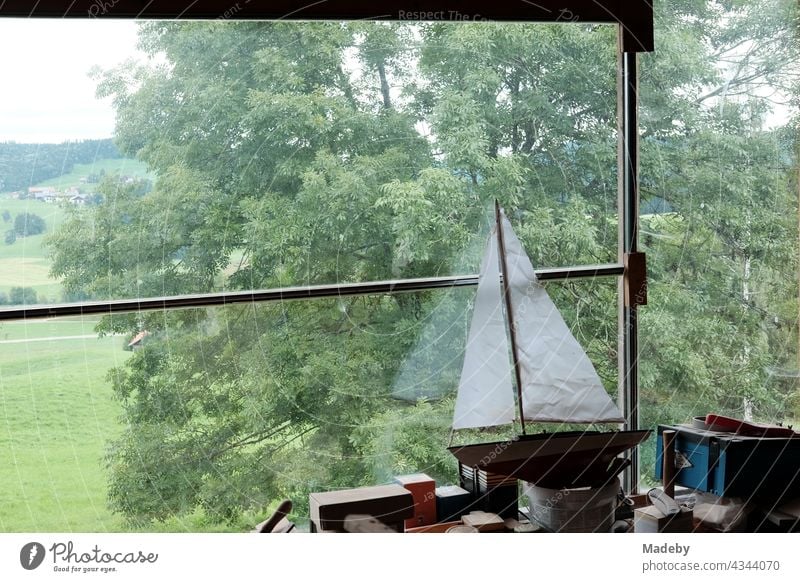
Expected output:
(283, 294)
(583, 272)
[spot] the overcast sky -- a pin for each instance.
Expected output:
(46, 95)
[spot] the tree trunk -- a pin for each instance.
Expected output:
(746, 280)
(387, 99)
(748, 409)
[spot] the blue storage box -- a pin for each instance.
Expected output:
(730, 465)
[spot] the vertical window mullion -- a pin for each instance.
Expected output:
(628, 217)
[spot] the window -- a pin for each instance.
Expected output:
(719, 216)
(321, 155)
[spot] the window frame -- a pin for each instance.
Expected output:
(634, 20)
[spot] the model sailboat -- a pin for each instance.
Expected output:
(555, 380)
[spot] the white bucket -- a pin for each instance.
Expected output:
(587, 509)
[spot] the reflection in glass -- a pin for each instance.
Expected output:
(719, 216)
(259, 155)
(213, 415)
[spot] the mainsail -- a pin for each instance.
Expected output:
(559, 382)
(485, 394)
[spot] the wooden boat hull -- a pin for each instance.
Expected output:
(555, 460)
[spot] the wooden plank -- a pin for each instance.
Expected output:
(781, 519)
(634, 17)
(365, 524)
(635, 279)
(484, 522)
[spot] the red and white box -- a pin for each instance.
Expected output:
(423, 491)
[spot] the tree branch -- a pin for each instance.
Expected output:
(251, 439)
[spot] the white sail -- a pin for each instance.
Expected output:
(559, 382)
(485, 393)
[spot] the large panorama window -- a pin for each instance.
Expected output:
(228, 156)
(210, 158)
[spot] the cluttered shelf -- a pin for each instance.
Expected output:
(719, 475)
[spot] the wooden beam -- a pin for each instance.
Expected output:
(635, 17)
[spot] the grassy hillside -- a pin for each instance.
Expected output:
(56, 416)
(24, 263)
(121, 166)
(28, 247)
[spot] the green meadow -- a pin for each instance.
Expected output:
(57, 415)
(25, 263)
(121, 166)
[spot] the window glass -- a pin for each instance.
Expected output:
(245, 155)
(203, 419)
(719, 215)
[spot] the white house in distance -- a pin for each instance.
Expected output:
(45, 194)
(50, 195)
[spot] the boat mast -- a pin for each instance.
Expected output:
(501, 246)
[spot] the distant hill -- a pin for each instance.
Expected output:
(25, 263)
(23, 165)
(86, 177)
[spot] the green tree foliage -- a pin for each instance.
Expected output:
(726, 300)
(22, 296)
(29, 224)
(292, 154)
(22, 164)
(10, 237)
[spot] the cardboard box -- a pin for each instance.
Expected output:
(389, 504)
(484, 522)
(422, 489)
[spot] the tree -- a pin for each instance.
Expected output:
(723, 261)
(10, 237)
(232, 195)
(314, 172)
(29, 224)
(6, 215)
(22, 296)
